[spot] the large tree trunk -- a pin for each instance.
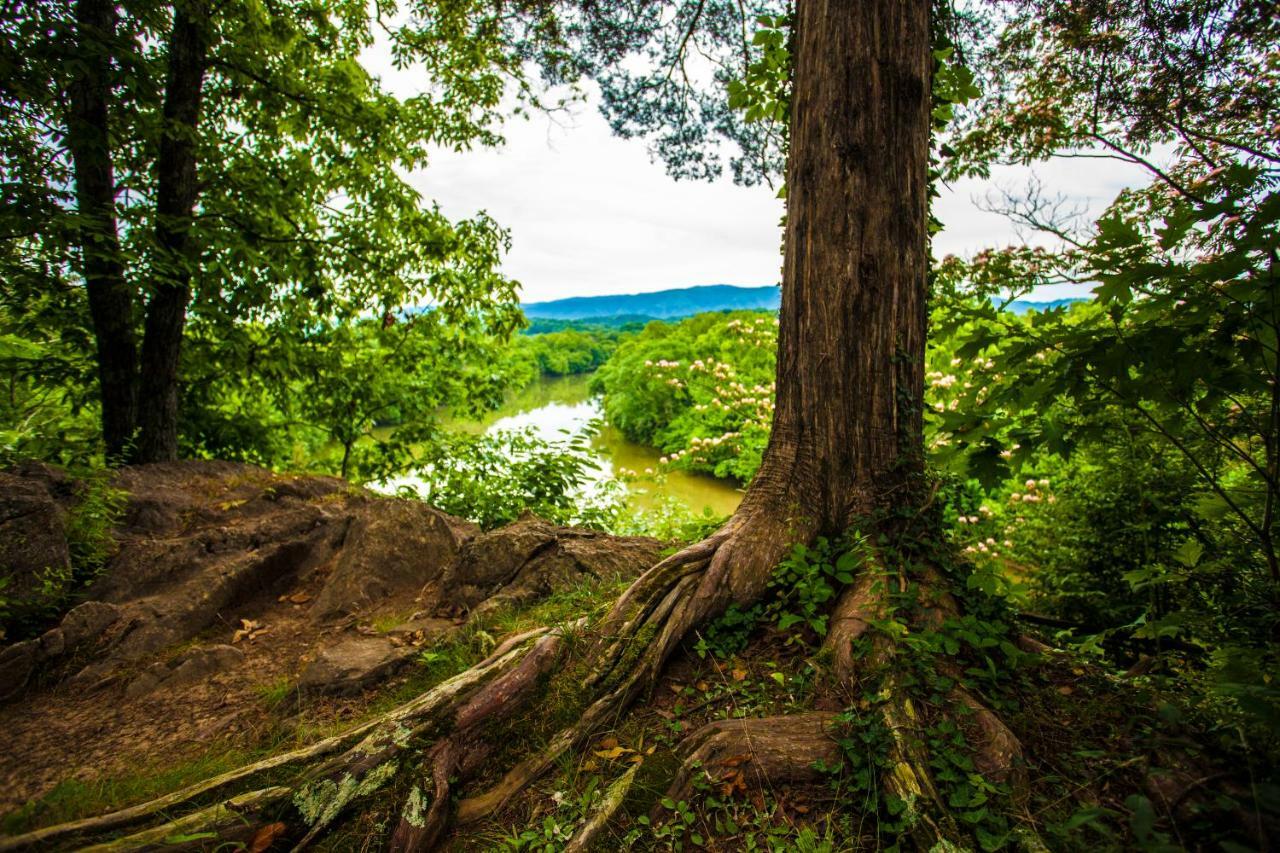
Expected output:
(847, 431)
(110, 298)
(176, 190)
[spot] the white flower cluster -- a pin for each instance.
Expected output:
(699, 449)
(984, 511)
(1032, 494)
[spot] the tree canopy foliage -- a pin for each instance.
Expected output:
(298, 217)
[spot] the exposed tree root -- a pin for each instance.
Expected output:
(457, 756)
(761, 753)
(602, 813)
(642, 630)
(229, 820)
(997, 751)
(369, 764)
(929, 819)
(390, 727)
(647, 624)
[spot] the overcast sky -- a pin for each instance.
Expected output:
(590, 214)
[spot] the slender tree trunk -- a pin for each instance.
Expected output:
(176, 190)
(111, 305)
(346, 458)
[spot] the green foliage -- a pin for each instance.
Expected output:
(46, 409)
(495, 478)
(700, 390)
(805, 583)
(91, 520)
(750, 827)
(801, 591)
(670, 520)
(566, 352)
(306, 219)
(556, 828)
(763, 94)
(1152, 408)
(91, 517)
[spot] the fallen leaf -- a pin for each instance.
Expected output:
(612, 754)
(1065, 690)
(265, 837)
(608, 742)
(248, 628)
(739, 674)
(300, 597)
(702, 686)
(590, 765)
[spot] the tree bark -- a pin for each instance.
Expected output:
(111, 307)
(176, 190)
(847, 433)
(847, 438)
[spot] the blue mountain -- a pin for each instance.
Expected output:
(661, 304)
(1022, 306)
(686, 301)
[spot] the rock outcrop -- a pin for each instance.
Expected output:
(205, 548)
(33, 533)
(231, 587)
(531, 558)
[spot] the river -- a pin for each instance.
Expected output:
(555, 407)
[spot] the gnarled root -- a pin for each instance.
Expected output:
(328, 786)
(226, 819)
(763, 753)
(603, 812)
(997, 751)
(647, 624)
(463, 751)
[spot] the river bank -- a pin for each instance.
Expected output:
(556, 408)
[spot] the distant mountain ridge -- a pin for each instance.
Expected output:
(660, 304)
(1022, 306)
(678, 302)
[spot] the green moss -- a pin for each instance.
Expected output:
(73, 799)
(320, 802)
(275, 693)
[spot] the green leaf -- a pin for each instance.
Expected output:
(1142, 818)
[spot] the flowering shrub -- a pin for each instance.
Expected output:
(700, 390)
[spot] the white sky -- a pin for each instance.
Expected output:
(590, 214)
